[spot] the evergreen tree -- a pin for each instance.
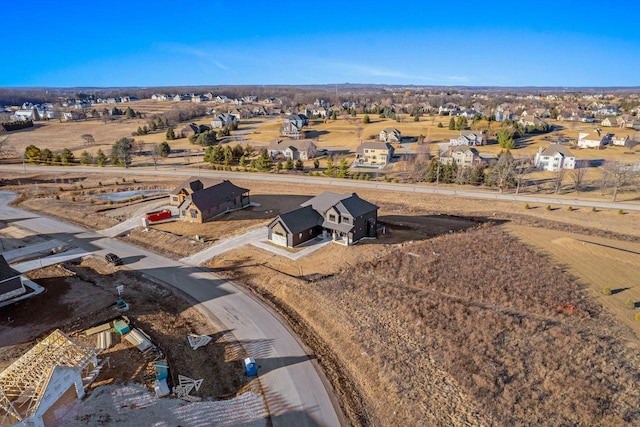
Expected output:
(85, 158)
(32, 154)
(101, 158)
(288, 165)
(121, 152)
(505, 139)
(171, 135)
(299, 165)
(164, 149)
(452, 123)
(329, 170)
(129, 113)
(66, 156)
(366, 120)
(316, 163)
(343, 171)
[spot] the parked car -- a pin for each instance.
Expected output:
(113, 259)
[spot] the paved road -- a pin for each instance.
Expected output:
(383, 186)
(294, 388)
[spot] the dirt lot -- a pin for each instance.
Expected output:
(82, 295)
(449, 315)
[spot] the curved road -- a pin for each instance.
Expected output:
(294, 389)
(384, 186)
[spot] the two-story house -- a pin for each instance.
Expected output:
(300, 120)
(390, 134)
(463, 155)
(345, 218)
(200, 200)
(223, 120)
(595, 139)
(374, 154)
(554, 157)
(468, 138)
(303, 149)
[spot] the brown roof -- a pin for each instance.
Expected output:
(195, 183)
(215, 195)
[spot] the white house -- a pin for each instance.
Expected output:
(595, 139)
(554, 157)
(621, 141)
(467, 138)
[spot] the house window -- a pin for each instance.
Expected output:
(345, 219)
(332, 218)
(175, 198)
(184, 213)
(194, 213)
(300, 236)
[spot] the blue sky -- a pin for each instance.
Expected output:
(170, 43)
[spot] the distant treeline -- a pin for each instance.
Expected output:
(19, 124)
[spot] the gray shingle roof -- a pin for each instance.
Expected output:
(6, 272)
(556, 148)
(300, 219)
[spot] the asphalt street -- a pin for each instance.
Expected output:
(294, 388)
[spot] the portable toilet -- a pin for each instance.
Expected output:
(122, 327)
(162, 370)
(250, 367)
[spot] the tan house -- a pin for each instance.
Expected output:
(374, 154)
(303, 149)
(463, 155)
(390, 135)
(188, 187)
(207, 203)
(610, 122)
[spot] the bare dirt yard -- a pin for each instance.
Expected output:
(82, 295)
(448, 318)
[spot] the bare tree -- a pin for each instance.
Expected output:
(578, 176)
(616, 175)
(6, 150)
(501, 174)
(558, 177)
(523, 166)
(156, 154)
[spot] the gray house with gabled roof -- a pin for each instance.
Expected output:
(346, 218)
(10, 282)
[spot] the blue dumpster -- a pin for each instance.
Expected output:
(250, 366)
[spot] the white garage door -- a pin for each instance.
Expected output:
(279, 240)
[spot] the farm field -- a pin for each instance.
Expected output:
(452, 308)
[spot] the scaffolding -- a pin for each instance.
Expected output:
(25, 380)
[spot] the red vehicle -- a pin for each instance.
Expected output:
(158, 215)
